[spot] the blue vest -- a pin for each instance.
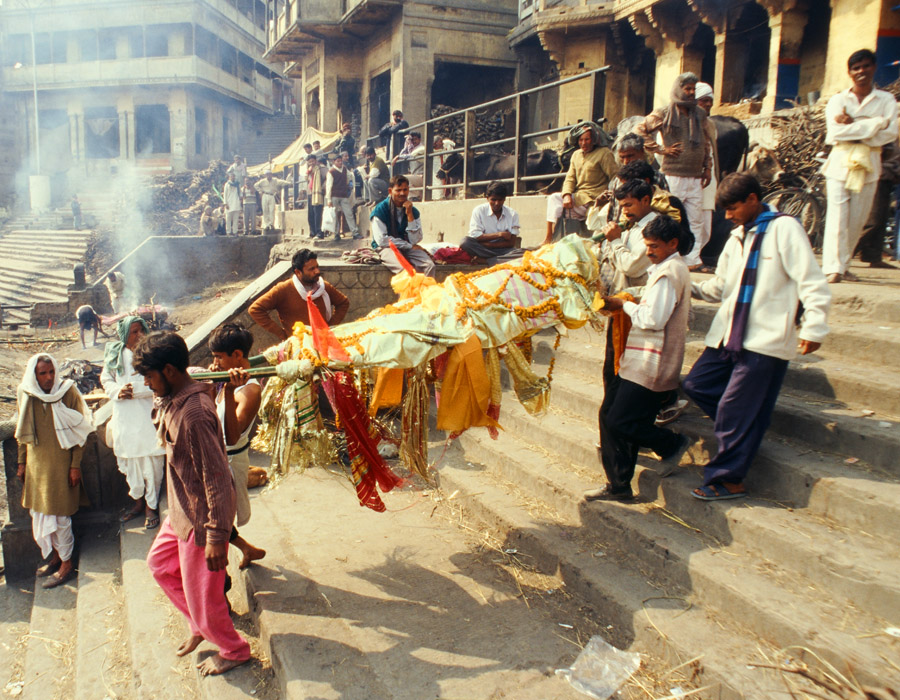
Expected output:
(382, 212)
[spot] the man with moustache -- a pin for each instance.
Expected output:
(190, 554)
(858, 121)
(395, 220)
(288, 299)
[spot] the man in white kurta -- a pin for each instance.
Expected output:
(268, 187)
(859, 121)
(231, 195)
(130, 431)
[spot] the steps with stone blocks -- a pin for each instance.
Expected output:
(805, 560)
(36, 265)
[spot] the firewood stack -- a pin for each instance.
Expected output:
(179, 199)
(488, 127)
(801, 136)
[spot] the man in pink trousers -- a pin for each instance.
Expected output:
(189, 556)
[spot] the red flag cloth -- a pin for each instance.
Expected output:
(410, 270)
(326, 344)
(367, 466)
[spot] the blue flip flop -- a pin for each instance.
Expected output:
(718, 492)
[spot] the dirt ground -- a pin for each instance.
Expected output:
(63, 343)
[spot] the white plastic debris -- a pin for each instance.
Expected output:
(884, 424)
(14, 688)
(677, 691)
(565, 626)
(511, 551)
(388, 450)
(600, 669)
(893, 631)
(868, 412)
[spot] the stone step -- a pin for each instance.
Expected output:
(398, 605)
(15, 616)
(847, 495)
(850, 564)
(48, 250)
(728, 579)
(816, 423)
(50, 647)
(824, 422)
(862, 341)
(15, 294)
(858, 506)
(648, 616)
(153, 625)
(102, 661)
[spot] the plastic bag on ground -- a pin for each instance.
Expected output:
(600, 669)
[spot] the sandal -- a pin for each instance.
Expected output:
(57, 580)
(47, 569)
(152, 521)
(131, 514)
(719, 492)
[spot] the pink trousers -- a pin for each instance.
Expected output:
(180, 570)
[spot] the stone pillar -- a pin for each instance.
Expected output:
(731, 64)
(854, 25)
(784, 58)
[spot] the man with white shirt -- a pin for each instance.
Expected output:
(859, 121)
(766, 271)
(395, 220)
(493, 229)
(231, 195)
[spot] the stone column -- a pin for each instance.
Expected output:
(731, 64)
(784, 57)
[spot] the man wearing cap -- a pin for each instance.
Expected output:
(268, 187)
(704, 97)
(590, 171)
(686, 150)
(346, 144)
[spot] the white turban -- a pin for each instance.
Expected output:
(702, 90)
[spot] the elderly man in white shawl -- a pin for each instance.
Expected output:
(52, 427)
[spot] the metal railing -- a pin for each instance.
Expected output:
(520, 113)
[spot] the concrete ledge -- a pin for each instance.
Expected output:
(450, 218)
(166, 267)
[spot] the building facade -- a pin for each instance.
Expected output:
(358, 60)
(768, 51)
(157, 84)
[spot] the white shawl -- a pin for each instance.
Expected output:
(319, 291)
(72, 426)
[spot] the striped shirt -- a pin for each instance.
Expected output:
(200, 486)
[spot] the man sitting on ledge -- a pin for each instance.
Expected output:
(493, 229)
(395, 220)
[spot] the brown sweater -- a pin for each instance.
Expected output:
(200, 486)
(47, 464)
(291, 307)
(694, 158)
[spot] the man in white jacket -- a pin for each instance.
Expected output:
(766, 270)
(859, 121)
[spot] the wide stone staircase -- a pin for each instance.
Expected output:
(810, 559)
(36, 265)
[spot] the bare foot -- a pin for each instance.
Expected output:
(215, 665)
(251, 554)
(188, 645)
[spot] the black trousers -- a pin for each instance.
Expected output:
(314, 217)
(627, 423)
(871, 244)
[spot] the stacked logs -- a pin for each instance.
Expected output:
(801, 136)
(179, 199)
(488, 126)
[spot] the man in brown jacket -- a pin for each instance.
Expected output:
(51, 430)
(288, 299)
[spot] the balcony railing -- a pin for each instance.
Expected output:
(134, 71)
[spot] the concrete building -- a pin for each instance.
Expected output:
(769, 50)
(160, 84)
(358, 60)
